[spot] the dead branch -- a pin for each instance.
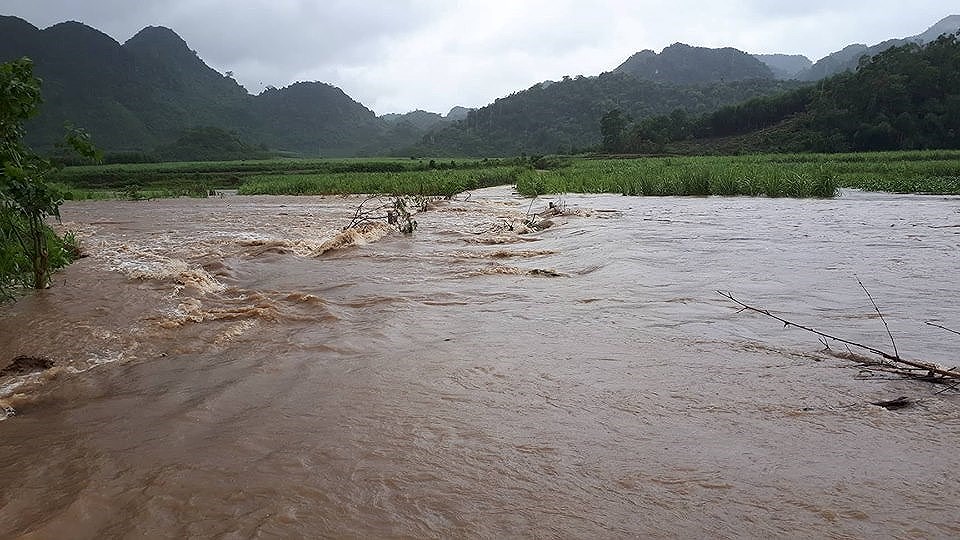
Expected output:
(896, 359)
(884, 321)
(364, 213)
(935, 325)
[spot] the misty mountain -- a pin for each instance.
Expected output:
(848, 58)
(785, 66)
(683, 64)
(458, 113)
(417, 119)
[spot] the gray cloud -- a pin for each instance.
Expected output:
(399, 55)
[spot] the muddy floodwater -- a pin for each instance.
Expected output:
(238, 367)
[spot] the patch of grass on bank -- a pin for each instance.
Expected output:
(931, 185)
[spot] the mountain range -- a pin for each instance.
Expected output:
(147, 92)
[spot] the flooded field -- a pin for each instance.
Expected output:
(237, 367)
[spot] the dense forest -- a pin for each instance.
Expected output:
(907, 97)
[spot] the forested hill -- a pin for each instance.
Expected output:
(152, 89)
(565, 116)
(904, 98)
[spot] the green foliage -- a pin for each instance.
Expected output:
(612, 128)
(30, 248)
(17, 260)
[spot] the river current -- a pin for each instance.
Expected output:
(241, 367)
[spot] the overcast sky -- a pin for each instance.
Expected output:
(401, 55)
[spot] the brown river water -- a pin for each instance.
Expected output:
(236, 368)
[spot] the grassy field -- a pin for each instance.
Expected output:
(771, 175)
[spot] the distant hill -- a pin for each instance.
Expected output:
(683, 64)
(403, 130)
(848, 58)
(785, 66)
(313, 118)
(417, 119)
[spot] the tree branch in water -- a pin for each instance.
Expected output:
(892, 358)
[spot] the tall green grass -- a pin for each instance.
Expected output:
(771, 175)
(698, 176)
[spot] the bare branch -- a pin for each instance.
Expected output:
(884, 321)
(935, 325)
(930, 368)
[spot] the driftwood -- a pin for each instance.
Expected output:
(894, 404)
(900, 365)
